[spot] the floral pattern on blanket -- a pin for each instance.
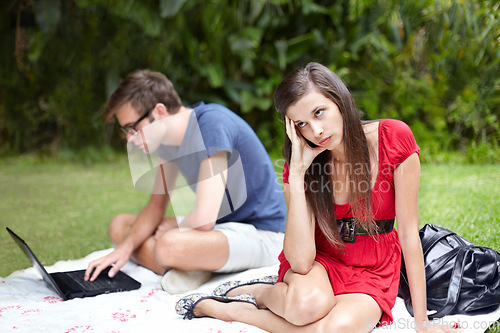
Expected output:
(27, 304)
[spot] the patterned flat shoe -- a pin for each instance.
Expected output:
(185, 306)
(224, 288)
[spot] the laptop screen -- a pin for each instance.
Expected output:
(34, 261)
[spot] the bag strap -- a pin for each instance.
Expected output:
(454, 286)
(430, 270)
(436, 237)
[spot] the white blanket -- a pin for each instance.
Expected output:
(27, 304)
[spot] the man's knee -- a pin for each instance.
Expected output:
(170, 249)
(119, 227)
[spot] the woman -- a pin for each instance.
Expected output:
(345, 182)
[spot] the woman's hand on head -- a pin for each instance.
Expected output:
(302, 153)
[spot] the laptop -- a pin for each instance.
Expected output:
(71, 284)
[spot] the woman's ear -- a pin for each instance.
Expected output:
(160, 111)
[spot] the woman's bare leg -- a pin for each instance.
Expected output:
(300, 299)
(352, 313)
(301, 303)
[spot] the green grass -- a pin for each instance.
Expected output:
(463, 198)
(63, 209)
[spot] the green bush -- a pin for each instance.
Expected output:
(431, 63)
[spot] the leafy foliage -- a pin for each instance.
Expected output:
(431, 63)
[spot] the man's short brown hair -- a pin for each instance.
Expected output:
(144, 89)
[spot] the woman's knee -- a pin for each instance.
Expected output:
(352, 313)
(351, 322)
(308, 305)
(346, 323)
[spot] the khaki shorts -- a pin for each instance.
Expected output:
(249, 247)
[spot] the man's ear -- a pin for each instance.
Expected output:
(160, 111)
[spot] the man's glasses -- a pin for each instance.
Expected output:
(130, 129)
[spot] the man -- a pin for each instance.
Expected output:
(238, 219)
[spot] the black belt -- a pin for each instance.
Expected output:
(349, 228)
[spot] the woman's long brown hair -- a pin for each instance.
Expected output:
(321, 201)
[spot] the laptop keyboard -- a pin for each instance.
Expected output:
(77, 277)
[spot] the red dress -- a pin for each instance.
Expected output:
(371, 265)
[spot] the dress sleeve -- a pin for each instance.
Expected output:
(286, 172)
(398, 141)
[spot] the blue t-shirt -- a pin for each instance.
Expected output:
(253, 194)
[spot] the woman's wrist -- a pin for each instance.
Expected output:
(421, 323)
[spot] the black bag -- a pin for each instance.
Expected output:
(461, 278)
